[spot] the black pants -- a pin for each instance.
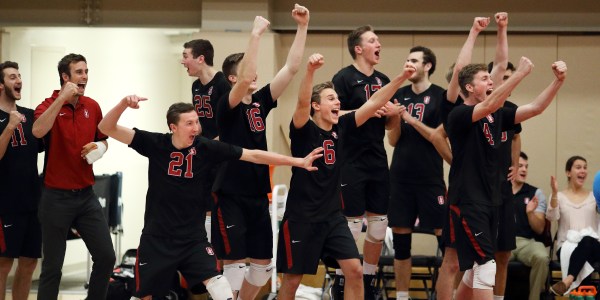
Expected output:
(588, 249)
(58, 211)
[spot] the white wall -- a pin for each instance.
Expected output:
(120, 62)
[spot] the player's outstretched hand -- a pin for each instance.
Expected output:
(480, 23)
(501, 19)
(560, 70)
(525, 65)
(310, 158)
(133, 101)
(315, 61)
(300, 14)
(260, 25)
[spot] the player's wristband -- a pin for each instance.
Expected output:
(96, 154)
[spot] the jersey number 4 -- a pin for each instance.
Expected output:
(177, 162)
(488, 134)
(203, 107)
(13, 140)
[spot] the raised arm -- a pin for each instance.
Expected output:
(302, 112)
(247, 67)
(270, 158)
(464, 56)
(109, 125)
(283, 78)
(13, 121)
(44, 123)
(544, 99)
(499, 95)
(382, 96)
(439, 140)
(501, 58)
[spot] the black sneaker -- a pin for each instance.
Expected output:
(337, 288)
(371, 290)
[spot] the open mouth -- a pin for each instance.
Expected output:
(18, 89)
(489, 92)
(377, 53)
(335, 112)
(81, 85)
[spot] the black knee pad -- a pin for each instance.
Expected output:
(402, 244)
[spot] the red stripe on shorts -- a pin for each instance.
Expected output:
(223, 230)
(472, 239)
(342, 199)
(288, 245)
(2, 238)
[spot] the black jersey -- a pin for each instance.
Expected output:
(244, 126)
(20, 184)
(316, 196)
(176, 178)
(446, 107)
(506, 154)
(205, 99)
(415, 159)
(521, 198)
(354, 89)
(475, 173)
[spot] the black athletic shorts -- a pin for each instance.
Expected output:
(158, 260)
(507, 240)
(409, 201)
(365, 191)
(302, 244)
(20, 235)
(475, 231)
(241, 227)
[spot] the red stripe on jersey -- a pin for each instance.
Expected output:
(2, 238)
(472, 239)
(223, 231)
(288, 245)
(215, 198)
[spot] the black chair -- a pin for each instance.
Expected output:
(428, 263)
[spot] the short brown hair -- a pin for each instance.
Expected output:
(354, 38)
(175, 110)
(316, 93)
(230, 64)
(5, 65)
(65, 62)
(201, 47)
(467, 74)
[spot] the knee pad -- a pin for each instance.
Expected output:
(467, 278)
(376, 228)
(258, 275)
(355, 225)
(402, 245)
(235, 275)
(219, 289)
(484, 276)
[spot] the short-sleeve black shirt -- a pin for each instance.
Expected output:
(244, 126)
(476, 174)
(176, 178)
(365, 148)
(205, 99)
(316, 196)
(20, 183)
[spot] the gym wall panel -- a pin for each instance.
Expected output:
(577, 105)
